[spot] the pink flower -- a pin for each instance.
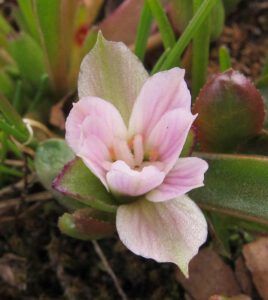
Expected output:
(136, 157)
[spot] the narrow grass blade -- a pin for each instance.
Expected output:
(224, 59)
(200, 53)
(143, 31)
(163, 23)
(174, 56)
(159, 63)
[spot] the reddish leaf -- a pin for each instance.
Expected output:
(122, 24)
(87, 224)
(231, 110)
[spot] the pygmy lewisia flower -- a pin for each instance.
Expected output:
(132, 143)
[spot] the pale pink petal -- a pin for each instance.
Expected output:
(95, 155)
(92, 106)
(122, 152)
(161, 93)
(94, 125)
(112, 72)
(138, 149)
(127, 182)
(187, 174)
(169, 231)
(166, 140)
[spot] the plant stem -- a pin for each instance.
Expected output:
(4, 146)
(11, 115)
(224, 59)
(160, 61)
(200, 53)
(163, 23)
(11, 130)
(176, 52)
(109, 270)
(143, 31)
(10, 171)
(39, 93)
(17, 96)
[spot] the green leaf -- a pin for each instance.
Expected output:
(5, 27)
(165, 28)
(6, 84)
(12, 116)
(47, 15)
(77, 181)
(224, 59)
(202, 13)
(28, 17)
(143, 31)
(29, 57)
(55, 20)
(182, 12)
(230, 111)
(158, 65)
(112, 72)
(222, 227)
(87, 224)
(50, 157)
(235, 185)
(220, 232)
(217, 19)
(200, 56)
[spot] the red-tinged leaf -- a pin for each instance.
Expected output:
(87, 224)
(77, 181)
(126, 16)
(230, 111)
(94, 222)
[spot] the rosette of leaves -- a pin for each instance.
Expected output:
(230, 129)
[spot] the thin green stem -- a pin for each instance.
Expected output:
(224, 59)
(159, 63)
(14, 149)
(143, 31)
(11, 130)
(174, 56)
(39, 93)
(11, 115)
(4, 146)
(200, 53)
(10, 171)
(17, 96)
(163, 23)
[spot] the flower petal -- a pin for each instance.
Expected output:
(170, 231)
(187, 174)
(96, 156)
(166, 140)
(161, 93)
(97, 108)
(127, 182)
(112, 72)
